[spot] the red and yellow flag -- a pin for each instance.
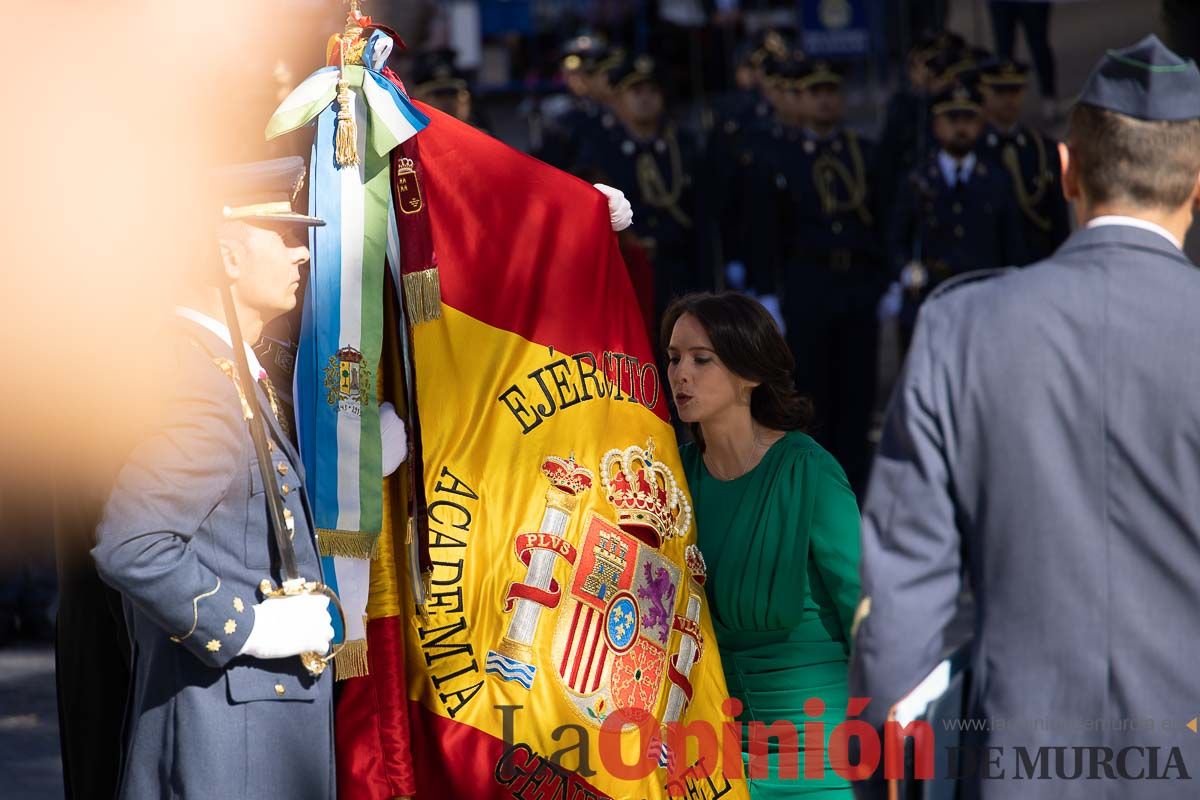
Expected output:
(562, 624)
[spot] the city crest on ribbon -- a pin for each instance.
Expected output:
(347, 381)
(613, 618)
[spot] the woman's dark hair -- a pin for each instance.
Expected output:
(746, 339)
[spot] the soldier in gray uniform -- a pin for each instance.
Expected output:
(220, 705)
(1043, 445)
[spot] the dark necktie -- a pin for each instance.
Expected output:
(960, 178)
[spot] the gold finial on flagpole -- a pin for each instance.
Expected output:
(345, 147)
(353, 17)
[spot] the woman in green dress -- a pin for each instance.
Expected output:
(777, 524)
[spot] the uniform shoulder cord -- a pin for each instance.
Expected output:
(1028, 201)
(826, 168)
(654, 188)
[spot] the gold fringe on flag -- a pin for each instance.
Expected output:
(352, 661)
(347, 544)
(423, 296)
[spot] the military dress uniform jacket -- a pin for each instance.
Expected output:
(956, 229)
(563, 134)
(185, 538)
(1030, 160)
(657, 176)
(1043, 444)
(904, 142)
(729, 154)
(813, 221)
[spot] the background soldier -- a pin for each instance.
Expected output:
(730, 150)
(438, 81)
(1042, 445)
(906, 136)
(819, 224)
(646, 157)
(958, 213)
(220, 706)
(585, 62)
(771, 147)
(1028, 157)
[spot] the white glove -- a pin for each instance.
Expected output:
(289, 626)
(620, 213)
(914, 276)
(395, 438)
(891, 302)
(771, 303)
(735, 276)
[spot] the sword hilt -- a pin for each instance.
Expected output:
(314, 662)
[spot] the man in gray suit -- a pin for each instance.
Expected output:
(1043, 446)
(220, 705)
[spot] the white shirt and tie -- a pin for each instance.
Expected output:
(956, 171)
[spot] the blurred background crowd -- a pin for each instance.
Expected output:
(838, 159)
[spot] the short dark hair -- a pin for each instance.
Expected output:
(748, 342)
(1149, 163)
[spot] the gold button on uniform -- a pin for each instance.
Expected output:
(285, 489)
(213, 646)
(238, 605)
(230, 627)
(279, 690)
(282, 468)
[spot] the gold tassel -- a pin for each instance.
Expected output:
(423, 296)
(347, 544)
(346, 141)
(351, 661)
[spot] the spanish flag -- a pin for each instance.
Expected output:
(537, 603)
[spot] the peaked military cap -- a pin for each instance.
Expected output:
(632, 70)
(784, 70)
(767, 44)
(930, 43)
(817, 72)
(1146, 81)
(948, 65)
(434, 72)
(956, 98)
(1001, 72)
(263, 191)
(584, 52)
